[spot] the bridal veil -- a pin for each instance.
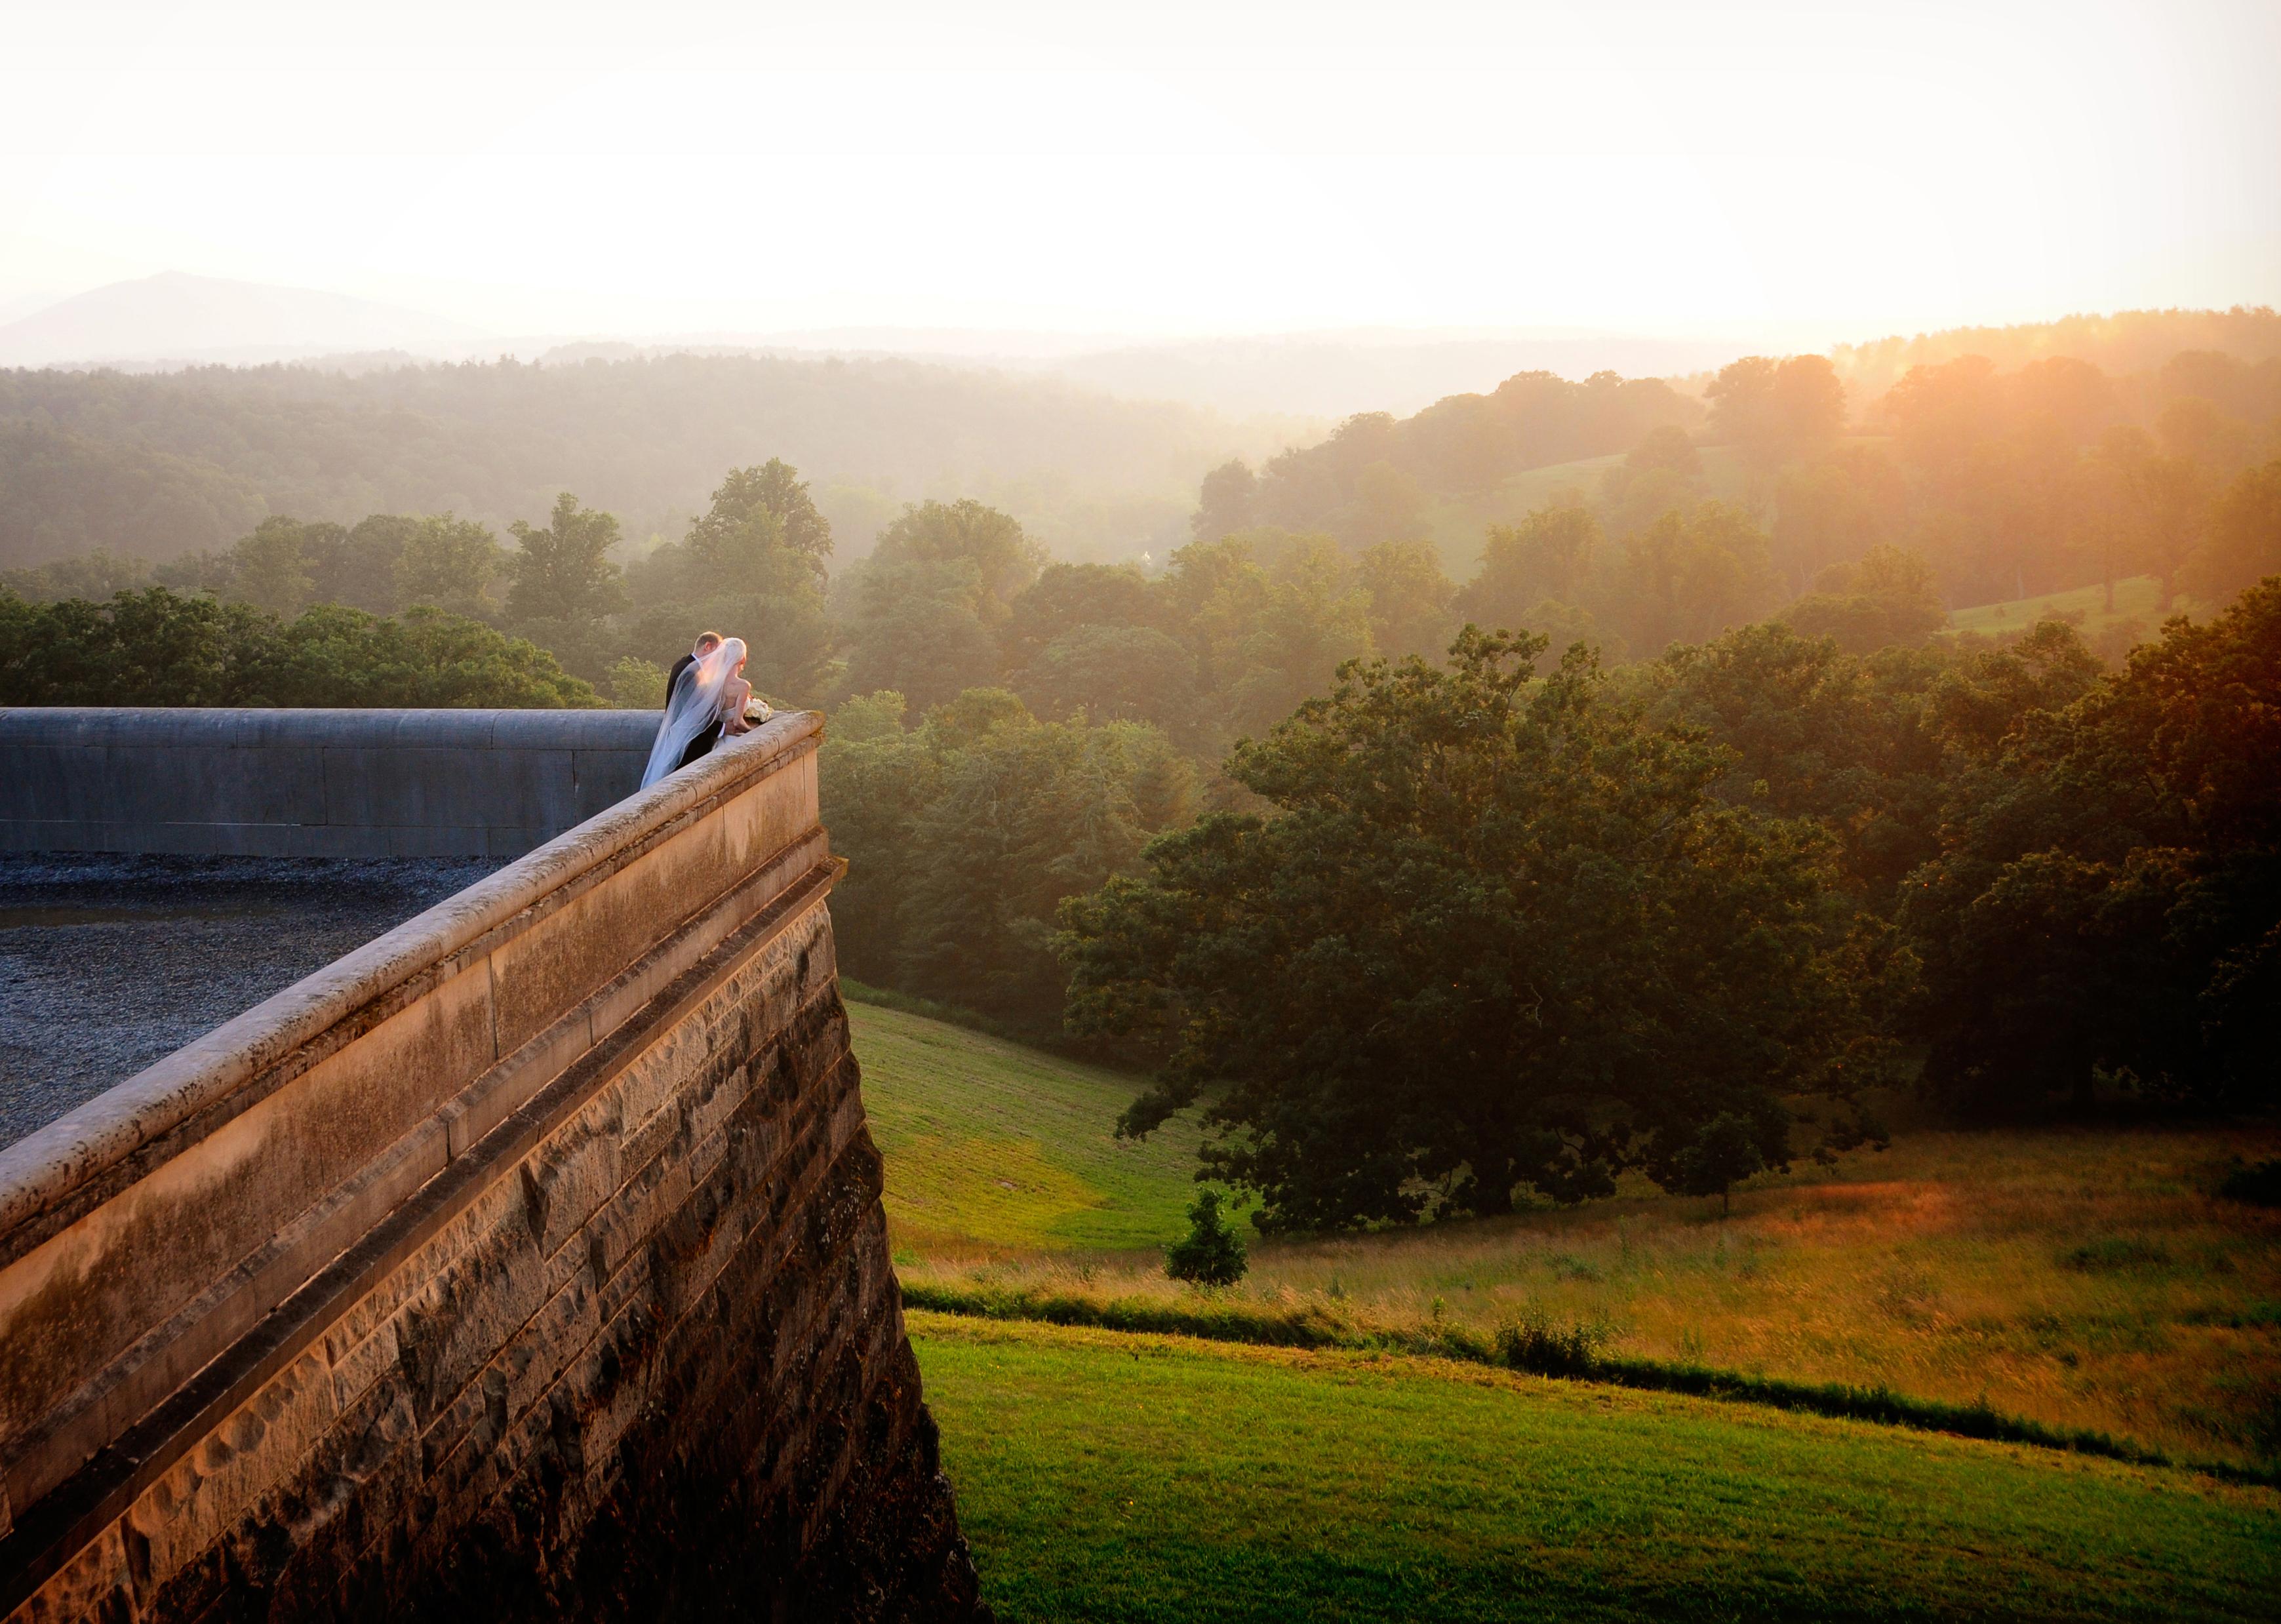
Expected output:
(693, 706)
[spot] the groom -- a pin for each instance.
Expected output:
(707, 642)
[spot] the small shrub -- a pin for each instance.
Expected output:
(1533, 1343)
(2257, 1183)
(1723, 1155)
(1211, 1253)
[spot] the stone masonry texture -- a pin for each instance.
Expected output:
(527, 1264)
(658, 1372)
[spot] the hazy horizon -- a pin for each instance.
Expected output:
(1767, 177)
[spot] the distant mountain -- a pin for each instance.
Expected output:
(176, 317)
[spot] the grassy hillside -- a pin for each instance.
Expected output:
(994, 1150)
(2138, 601)
(2083, 1278)
(1118, 1477)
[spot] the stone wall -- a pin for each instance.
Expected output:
(311, 783)
(526, 1263)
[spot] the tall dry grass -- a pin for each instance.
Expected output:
(2086, 1278)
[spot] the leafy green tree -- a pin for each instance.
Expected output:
(1491, 930)
(155, 648)
(919, 632)
(1890, 599)
(1689, 576)
(1662, 472)
(1290, 624)
(1389, 506)
(1065, 597)
(763, 530)
(1228, 502)
(1729, 1149)
(1025, 814)
(1816, 733)
(1410, 597)
(425, 657)
(2108, 894)
(2244, 542)
(1832, 512)
(448, 564)
(1547, 555)
(964, 834)
(1775, 413)
(636, 684)
(563, 574)
(1113, 674)
(94, 576)
(990, 545)
(1211, 1253)
(150, 647)
(273, 569)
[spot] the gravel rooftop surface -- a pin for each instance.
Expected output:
(108, 963)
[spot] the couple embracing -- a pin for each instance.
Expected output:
(706, 697)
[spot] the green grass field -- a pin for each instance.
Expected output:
(2138, 601)
(996, 1149)
(2080, 1278)
(1102, 1476)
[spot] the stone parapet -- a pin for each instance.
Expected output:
(528, 1262)
(311, 783)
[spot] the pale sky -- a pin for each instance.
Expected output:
(1803, 174)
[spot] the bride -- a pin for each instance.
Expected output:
(706, 703)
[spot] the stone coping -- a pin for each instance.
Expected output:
(48, 1165)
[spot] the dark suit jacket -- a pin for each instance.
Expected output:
(680, 666)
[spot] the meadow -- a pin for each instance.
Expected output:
(2137, 610)
(1108, 1476)
(2086, 1278)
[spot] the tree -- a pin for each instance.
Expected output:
(964, 834)
(1889, 600)
(1811, 732)
(1114, 673)
(2243, 540)
(1390, 505)
(1001, 559)
(1410, 597)
(917, 632)
(1548, 554)
(763, 530)
(1832, 510)
(164, 649)
(272, 569)
(446, 563)
(1065, 597)
(2107, 896)
(1689, 576)
(2172, 497)
(1663, 471)
(1488, 931)
(1775, 413)
(1211, 1253)
(1227, 502)
(563, 574)
(1728, 1150)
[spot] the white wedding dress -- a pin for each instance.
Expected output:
(698, 700)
